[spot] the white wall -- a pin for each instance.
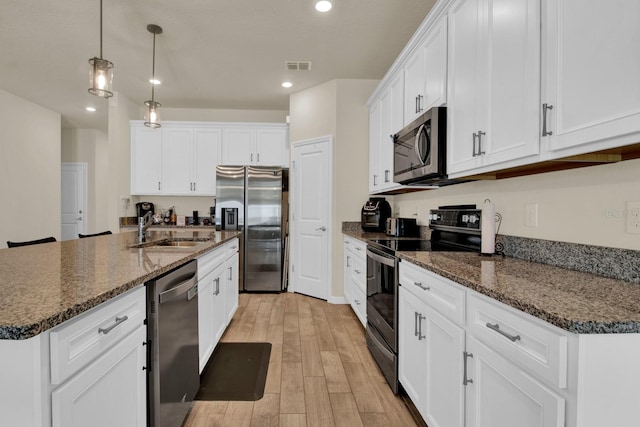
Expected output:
(338, 108)
(585, 205)
(30, 170)
(90, 146)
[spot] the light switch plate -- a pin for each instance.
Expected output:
(633, 217)
(531, 215)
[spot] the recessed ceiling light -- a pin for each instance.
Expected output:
(155, 81)
(91, 109)
(287, 84)
(323, 6)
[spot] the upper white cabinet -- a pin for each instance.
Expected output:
(146, 160)
(189, 159)
(425, 74)
(494, 83)
(180, 158)
(256, 145)
(590, 83)
(391, 109)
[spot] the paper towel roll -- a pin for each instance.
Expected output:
(488, 228)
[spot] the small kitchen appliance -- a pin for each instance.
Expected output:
(143, 208)
(402, 227)
(374, 214)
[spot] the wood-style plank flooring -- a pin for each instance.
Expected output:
(320, 371)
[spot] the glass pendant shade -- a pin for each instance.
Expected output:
(152, 114)
(101, 77)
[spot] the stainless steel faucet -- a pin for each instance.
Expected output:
(143, 225)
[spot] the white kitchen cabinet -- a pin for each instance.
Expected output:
(431, 344)
(374, 147)
(257, 145)
(355, 270)
(425, 73)
(500, 394)
(189, 159)
(217, 296)
(146, 159)
(590, 76)
(109, 392)
(231, 284)
(494, 84)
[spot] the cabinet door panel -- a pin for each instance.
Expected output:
(412, 351)
(205, 319)
(230, 278)
(465, 77)
(502, 395)
(413, 84)
(444, 395)
(591, 77)
(435, 68)
(513, 35)
(109, 392)
(207, 148)
(146, 156)
(374, 147)
(237, 146)
(271, 147)
(176, 161)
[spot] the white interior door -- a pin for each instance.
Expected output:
(74, 200)
(310, 177)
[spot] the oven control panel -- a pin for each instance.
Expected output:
(459, 218)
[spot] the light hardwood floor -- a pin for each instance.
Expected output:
(320, 371)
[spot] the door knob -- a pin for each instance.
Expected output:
(323, 228)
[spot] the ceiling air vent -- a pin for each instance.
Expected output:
(298, 65)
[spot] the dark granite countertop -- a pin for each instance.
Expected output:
(578, 302)
(44, 285)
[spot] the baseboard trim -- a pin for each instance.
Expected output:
(337, 300)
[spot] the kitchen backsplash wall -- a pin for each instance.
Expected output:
(185, 205)
(586, 205)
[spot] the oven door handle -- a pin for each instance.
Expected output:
(390, 261)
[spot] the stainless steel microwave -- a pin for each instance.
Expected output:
(419, 150)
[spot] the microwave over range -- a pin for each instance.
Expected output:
(420, 150)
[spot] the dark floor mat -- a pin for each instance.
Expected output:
(236, 371)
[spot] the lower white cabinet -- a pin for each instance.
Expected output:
(501, 394)
(355, 272)
(217, 296)
(430, 359)
(109, 392)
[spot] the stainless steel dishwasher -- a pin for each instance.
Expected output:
(172, 339)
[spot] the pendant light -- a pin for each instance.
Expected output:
(152, 114)
(101, 71)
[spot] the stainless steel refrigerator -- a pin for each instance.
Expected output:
(261, 198)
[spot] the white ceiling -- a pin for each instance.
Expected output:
(212, 54)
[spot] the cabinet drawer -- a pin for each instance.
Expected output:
(231, 247)
(359, 273)
(357, 247)
(442, 294)
(526, 341)
(359, 304)
(77, 342)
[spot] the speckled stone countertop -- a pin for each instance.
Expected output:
(578, 302)
(44, 285)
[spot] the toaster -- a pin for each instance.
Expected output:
(402, 227)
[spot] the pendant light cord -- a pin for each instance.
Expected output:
(100, 29)
(153, 68)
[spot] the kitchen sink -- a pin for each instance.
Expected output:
(176, 242)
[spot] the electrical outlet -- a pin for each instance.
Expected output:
(633, 217)
(531, 215)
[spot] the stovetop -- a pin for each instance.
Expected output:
(391, 246)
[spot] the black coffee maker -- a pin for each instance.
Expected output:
(374, 214)
(143, 208)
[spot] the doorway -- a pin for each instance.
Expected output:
(74, 200)
(311, 189)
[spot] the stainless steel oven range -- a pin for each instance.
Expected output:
(454, 229)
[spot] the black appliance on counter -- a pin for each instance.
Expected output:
(143, 208)
(454, 229)
(374, 214)
(402, 227)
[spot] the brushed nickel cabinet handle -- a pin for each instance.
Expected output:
(545, 108)
(466, 380)
(119, 320)
(496, 327)
(480, 133)
(421, 286)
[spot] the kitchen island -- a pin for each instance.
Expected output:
(73, 312)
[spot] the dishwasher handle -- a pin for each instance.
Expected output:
(189, 286)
